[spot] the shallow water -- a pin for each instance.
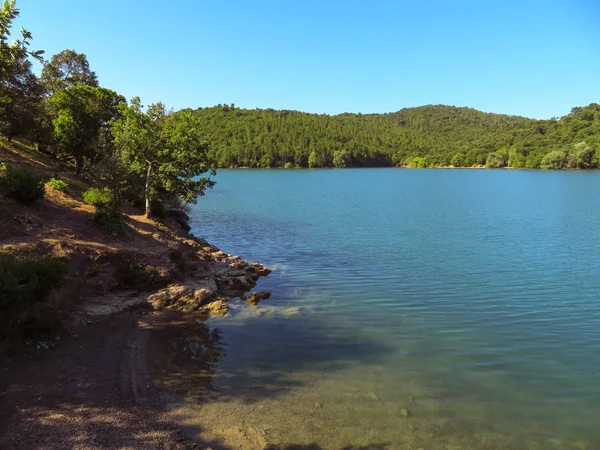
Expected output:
(411, 308)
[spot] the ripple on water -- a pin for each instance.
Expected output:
(466, 298)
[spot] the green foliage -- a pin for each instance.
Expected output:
(458, 160)
(168, 148)
(313, 160)
(111, 220)
(26, 281)
(517, 159)
(289, 165)
(582, 156)
(242, 138)
(58, 184)
(21, 184)
(418, 162)
(554, 160)
(497, 159)
(98, 197)
(82, 114)
(65, 69)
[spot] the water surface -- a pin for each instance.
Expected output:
(412, 308)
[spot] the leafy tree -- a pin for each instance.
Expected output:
(497, 159)
(23, 95)
(168, 148)
(458, 160)
(582, 156)
(65, 69)
(82, 114)
(554, 160)
(9, 51)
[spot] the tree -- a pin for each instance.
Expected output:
(554, 160)
(10, 51)
(582, 156)
(497, 159)
(167, 147)
(65, 69)
(23, 95)
(81, 114)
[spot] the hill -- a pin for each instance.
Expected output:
(427, 136)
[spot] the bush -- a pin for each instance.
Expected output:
(59, 185)
(98, 197)
(134, 273)
(21, 184)
(554, 160)
(418, 162)
(26, 281)
(111, 220)
(496, 160)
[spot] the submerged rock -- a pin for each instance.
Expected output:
(254, 298)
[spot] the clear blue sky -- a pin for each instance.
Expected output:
(528, 57)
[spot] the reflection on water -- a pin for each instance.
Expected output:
(410, 309)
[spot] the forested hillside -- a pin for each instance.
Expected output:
(419, 137)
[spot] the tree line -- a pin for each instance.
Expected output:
(130, 152)
(428, 136)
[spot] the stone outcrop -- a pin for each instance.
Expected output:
(254, 298)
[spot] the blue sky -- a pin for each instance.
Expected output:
(528, 57)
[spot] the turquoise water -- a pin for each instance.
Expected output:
(413, 308)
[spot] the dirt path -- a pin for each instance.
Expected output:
(86, 394)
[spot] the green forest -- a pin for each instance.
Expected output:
(427, 136)
(150, 152)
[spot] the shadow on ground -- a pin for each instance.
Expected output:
(105, 388)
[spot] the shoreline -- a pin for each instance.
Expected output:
(104, 385)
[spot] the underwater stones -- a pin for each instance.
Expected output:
(255, 297)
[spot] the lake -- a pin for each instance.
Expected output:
(428, 308)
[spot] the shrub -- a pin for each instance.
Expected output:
(554, 160)
(496, 160)
(98, 197)
(21, 184)
(111, 220)
(25, 281)
(418, 162)
(134, 273)
(289, 165)
(58, 184)
(458, 160)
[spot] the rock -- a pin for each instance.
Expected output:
(255, 297)
(318, 405)
(260, 269)
(216, 308)
(180, 217)
(242, 283)
(404, 412)
(183, 297)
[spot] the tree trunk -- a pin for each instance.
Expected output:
(147, 193)
(78, 164)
